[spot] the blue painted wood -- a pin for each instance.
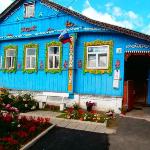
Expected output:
(41, 81)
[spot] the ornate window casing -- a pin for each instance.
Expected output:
(10, 58)
(30, 62)
(98, 57)
(53, 62)
(29, 10)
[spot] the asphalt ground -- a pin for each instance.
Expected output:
(132, 134)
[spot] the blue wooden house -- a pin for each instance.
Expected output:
(107, 64)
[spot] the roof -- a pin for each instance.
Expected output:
(122, 30)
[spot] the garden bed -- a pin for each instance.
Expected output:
(18, 132)
(77, 113)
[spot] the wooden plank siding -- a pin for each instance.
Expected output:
(100, 84)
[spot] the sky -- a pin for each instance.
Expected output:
(131, 14)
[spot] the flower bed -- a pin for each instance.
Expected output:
(16, 130)
(79, 114)
(15, 133)
(24, 102)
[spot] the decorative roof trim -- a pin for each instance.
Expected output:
(140, 52)
(121, 30)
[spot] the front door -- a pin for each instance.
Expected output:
(128, 99)
(136, 75)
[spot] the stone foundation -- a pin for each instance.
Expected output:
(103, 103)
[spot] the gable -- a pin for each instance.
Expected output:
(18, 14)
(57, 8)
(46, 19)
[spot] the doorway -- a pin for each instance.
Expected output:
(136, 79)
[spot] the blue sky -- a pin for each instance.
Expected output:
(132, 14)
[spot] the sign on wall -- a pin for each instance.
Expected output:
(116, 79)
(118, 50)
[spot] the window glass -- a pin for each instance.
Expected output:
(54, 50)
(102, 60)
(29, 10)
(50, 61)
(54, 58)
(10, 57)
(56, 61)
(30, 58)
(33, 62)
(31, 51)
(97, 57)
(92, 60)
(10, 53)
(28, 62)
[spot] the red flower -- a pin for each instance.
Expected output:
(70, 109)
(94, 112)
(9, 140)
(1, 147)
(8, 118)
(40, 119)
(32, 129)
(81, 111)
(22, 134)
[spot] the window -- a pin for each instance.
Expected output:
(97, 57)
(30, 58)
(29, 10)
(53, 57)
(10, 59)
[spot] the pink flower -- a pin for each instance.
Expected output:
(7, 106)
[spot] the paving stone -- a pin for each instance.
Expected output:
(99, 129)
(110, 131)
(63, 123)
(72, 125)
(90, 127)
(81, 126)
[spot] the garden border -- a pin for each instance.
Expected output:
(84, 122)
(33, 141)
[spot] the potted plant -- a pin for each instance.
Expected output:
(89, 105)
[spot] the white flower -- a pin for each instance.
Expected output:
(19, 126)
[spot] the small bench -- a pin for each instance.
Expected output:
(50, 97)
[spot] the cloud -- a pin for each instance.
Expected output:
(132, 15)
(108, 6)
(113, 15)
(117, 11)
(70, 7)
(146, 29)
(4, 4)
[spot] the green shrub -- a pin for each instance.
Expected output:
(25, 103)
